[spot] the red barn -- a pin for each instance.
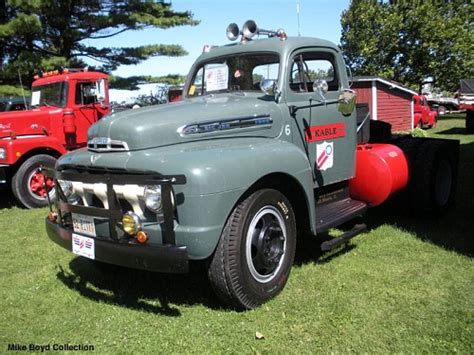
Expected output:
(388, 101)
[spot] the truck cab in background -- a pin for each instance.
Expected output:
(423, 116)
(466, 102)
(64, 104)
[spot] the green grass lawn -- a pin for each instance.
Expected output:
(406, 285)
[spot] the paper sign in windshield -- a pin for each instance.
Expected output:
(217, 78)
(35, 98)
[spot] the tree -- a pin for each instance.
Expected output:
(48, 33)
(410, 41)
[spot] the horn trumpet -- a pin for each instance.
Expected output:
(251, 29)
(233, 31)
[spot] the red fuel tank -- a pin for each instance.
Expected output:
(381, 170)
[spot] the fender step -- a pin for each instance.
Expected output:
(332, 243)
(338, 212)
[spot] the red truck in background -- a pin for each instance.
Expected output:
(423, 116)
(64, 104)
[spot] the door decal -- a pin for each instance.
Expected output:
(328, 131)
(325, 155)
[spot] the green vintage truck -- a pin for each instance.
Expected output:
(264, 148)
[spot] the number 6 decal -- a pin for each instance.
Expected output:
(287, 130)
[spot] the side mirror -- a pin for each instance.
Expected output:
(268, 87)
(100, 91)
(347, 101)
(321, 87)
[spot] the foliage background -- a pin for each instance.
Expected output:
(410, 41)
(49, 33)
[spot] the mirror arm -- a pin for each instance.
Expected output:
(294, 108)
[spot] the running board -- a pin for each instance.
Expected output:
(332, 243)
(333, 214)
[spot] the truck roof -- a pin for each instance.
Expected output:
(273, 44)
(82, 75)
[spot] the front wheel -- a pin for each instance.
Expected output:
(29, 185)
(255, 253)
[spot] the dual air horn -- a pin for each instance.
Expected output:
(251, 29)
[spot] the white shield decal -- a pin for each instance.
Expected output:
(324, 155)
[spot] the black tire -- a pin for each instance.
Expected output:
(470, 121)
(433, 182)
(21, 181)
(241, 273)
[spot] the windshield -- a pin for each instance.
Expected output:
(3, 106)
(234, 73)
(54, 94)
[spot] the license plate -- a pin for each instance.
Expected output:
(83, 246)
(83, 224)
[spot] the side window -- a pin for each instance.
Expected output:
(308, 67)
(86, 93)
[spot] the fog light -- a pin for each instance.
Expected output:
(131, 223)
(142, 237)
(153, 198)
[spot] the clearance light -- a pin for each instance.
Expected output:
(142, 237)
(52, 216)
(131, 223)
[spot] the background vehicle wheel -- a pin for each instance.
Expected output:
(253, 259)
(434, 179)
(442, 110)
(28, 182)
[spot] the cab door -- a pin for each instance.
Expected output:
(86, 112)
(327, 136)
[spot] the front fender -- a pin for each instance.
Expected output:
(18, 147)
(218, 173)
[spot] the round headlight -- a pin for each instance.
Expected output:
(153, 198)
(131, 223)
(66, 187)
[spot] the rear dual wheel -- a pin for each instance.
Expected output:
(433, 182)
(255, 253)
(29, 186)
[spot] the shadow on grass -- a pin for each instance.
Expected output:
(309, 250)
(452, 116)
(6, 199)
(137, 289)
(455, 130)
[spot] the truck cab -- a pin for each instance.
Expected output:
(263, 148)
(64, 104)
(423, 115)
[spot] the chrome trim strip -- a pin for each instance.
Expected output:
(105, 144)
(206, 127)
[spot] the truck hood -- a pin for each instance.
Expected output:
(28, 122)
(191, 119)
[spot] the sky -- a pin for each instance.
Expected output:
(318, 18)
